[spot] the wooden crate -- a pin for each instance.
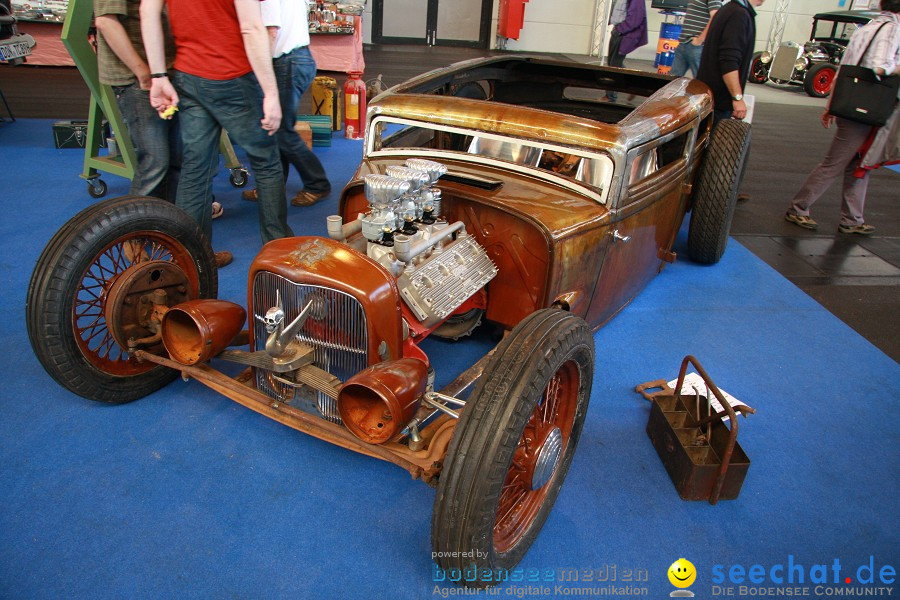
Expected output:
(304, 130)
(320, 126)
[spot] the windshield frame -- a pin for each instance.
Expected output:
(603, 161)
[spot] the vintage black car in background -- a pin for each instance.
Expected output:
(815, 63)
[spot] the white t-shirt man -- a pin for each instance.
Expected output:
(290, 17)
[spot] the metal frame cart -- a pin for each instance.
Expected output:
(103, 104)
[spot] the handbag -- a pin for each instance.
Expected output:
(863, 96)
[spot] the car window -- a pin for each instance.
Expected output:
(658, 157)
(830, 30)
(397, 136)
(846, 31)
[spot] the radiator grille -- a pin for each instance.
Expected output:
(783, 64)
(336, 329)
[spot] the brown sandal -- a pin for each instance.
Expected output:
(305, 198)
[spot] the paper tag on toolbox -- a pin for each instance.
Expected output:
(693, 380)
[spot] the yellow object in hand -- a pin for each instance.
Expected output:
(167, 114)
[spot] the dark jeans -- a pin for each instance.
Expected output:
(718, 115)
(294, 71)
(156, 144)
(206, 107)
(304, 70)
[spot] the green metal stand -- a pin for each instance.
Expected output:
(103, 105)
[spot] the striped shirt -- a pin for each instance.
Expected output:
(696, 17)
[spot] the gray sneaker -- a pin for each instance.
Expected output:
(857, 229)
(801, 220)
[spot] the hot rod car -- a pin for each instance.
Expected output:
(501, 190)
(815, 63)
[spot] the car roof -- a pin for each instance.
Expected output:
(848, 16)
(674, 103)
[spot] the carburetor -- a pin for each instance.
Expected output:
(403, 197)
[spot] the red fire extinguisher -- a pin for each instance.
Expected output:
(354, 107)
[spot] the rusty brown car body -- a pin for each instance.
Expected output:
(506, 190)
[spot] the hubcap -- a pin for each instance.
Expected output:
(547, 459)
(537, 456)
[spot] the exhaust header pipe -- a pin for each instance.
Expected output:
(195, 331)
(378, 402)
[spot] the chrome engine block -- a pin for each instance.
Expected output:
(449, 277)
(407, 235)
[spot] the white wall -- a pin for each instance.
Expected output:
(554, 26)
(367, 24)
(566, 27)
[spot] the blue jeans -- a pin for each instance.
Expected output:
(293, 72)
(155, 141)
(206, 107)
(687, 56)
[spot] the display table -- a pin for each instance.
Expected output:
(339, 52)
(333, 52)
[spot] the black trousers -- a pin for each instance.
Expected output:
(614, 59)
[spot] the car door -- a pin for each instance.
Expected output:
(645, 220)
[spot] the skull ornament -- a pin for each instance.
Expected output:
(274, 317)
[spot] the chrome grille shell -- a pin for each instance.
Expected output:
(782, 67)
(337, 329)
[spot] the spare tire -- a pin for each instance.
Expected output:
(716, 190)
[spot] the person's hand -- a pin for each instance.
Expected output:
(696, 41)
(271, 120)
(163, 96)
(740, 109)
(143, 77)
(827, 119)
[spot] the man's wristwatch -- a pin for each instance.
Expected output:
(737, 97)
(158, 75)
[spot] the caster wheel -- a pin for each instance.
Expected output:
(97, 188)
(238, 177)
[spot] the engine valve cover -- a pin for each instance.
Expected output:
(440, 284)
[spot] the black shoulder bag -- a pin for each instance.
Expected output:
(860, 95)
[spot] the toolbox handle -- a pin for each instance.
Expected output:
(729, 410)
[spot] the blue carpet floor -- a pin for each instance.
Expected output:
(185, 494)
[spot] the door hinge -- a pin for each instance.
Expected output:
(667, 255)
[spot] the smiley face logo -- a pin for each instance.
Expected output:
(682, 573)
